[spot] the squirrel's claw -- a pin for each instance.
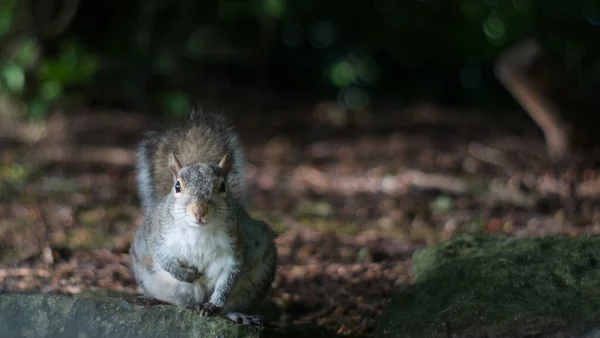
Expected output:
(208, 309)
(245, 319)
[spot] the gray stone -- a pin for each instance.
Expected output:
(492, 286)
(48, 315)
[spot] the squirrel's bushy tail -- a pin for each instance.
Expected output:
(145, 177)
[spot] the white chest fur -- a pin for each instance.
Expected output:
(208, 248)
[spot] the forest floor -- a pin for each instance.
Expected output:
(352, 196)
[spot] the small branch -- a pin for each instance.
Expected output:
(510, 70)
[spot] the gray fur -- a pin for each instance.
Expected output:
(227, 263)
(238, 288)
(144, 171)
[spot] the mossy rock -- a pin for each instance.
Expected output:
(267, 309)
(493, 286)
(49, 315)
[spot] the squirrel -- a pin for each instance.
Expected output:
(197, 246)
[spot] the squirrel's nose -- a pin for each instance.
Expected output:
(199, 210)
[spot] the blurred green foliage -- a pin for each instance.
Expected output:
(31, 73)
(163, 55)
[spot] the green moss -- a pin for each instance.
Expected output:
(110, 317)
(100, 294)
(49, 315)
(477, 285)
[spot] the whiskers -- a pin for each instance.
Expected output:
(218, 215)
(179, 215)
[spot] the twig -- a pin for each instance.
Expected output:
(510, 69)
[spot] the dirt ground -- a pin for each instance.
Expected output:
(352, 196)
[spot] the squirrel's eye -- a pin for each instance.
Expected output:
(177, 187)
(222, 188)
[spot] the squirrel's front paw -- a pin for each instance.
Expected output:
(208, 309)
(190, 274)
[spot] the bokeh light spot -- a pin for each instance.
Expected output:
(342, 73)
(50, 90)
(14, 77)
(522, 5)
(323, 34)
(494, 28)
(274, 8)
(27, 52)
(354, 98)
(366, 70)
(353, 70)
(176, 103)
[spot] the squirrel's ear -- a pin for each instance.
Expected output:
(174, 165)
(225, 164)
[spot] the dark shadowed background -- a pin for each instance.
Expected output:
(164, 55)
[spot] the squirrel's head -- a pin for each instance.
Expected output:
(200, 191)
